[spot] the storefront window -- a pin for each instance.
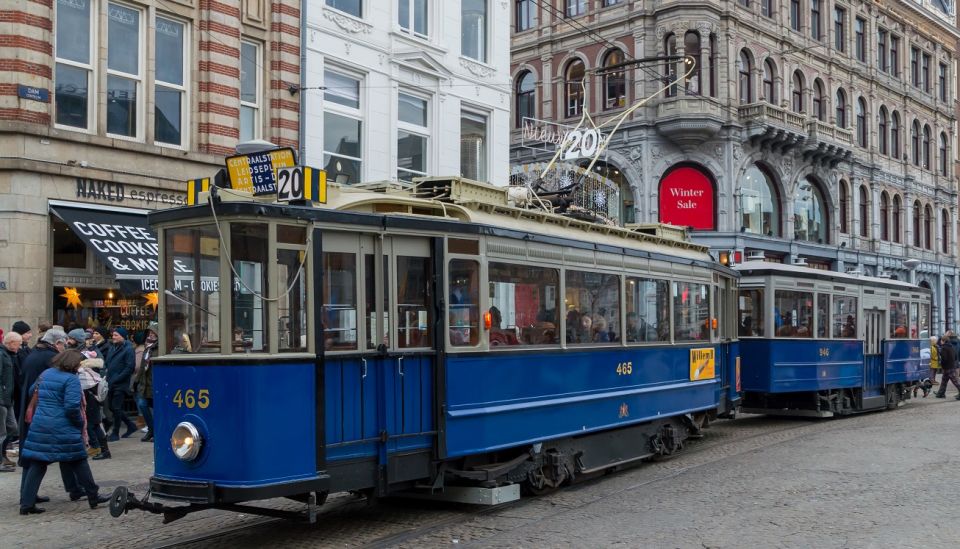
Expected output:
(593, 307)
(464, 305)
(793, 313)
(691, 311)
(809, 214)
(648, 310)
(844, 317)
(899, 319)
(527, 298)
(750, 308)
(192, 299)
(69, 251)
(759, 207)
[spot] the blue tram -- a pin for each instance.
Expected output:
(438, 338)
(823, 343)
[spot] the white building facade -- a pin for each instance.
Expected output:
(398, 89)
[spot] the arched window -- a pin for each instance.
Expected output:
(841, 108)
(769, 82)
(861, 122)
(575, 92)
(882, 130)
(797, 92)
(895, 135)
(691, 48)
(614, 82)
(759, 205)
(945, 230)
(897, 216)
(809, 213)
(884, 216)
(819, 105)
(916, 224)
(928, 227)
(844, 207)
(943, 153)
(526, 97)
(864, 213)
(915, 142)
(926, 147)
(670, 68)
(746, 84)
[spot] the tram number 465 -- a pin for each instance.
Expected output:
(192, 399)
(624, 368)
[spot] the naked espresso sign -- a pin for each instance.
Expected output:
(686, 199)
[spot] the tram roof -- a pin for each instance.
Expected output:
(390, 205)
(766, 268)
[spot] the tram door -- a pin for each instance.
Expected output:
(873, 336)
(873, 367)
(379, 388)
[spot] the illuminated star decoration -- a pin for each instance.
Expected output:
(152, 299)
(73, 297)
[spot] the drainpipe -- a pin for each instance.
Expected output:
(301, 138)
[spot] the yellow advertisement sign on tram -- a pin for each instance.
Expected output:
(702, 364)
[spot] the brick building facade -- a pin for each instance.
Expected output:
(110, 106)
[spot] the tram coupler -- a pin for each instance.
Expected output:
(122, 501)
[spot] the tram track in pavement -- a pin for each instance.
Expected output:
(358, 524)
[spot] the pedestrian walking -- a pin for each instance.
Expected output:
(57, 432)
(948, 363)
(8, 419)
(120, 363)
(934, 358)
(90, 380)
(144, 380)
(26, 333)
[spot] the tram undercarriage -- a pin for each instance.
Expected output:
(829, 403)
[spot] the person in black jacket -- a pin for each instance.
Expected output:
(120, 362)
(948, 364)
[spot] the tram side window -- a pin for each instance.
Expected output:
(339, 301)
(648, 310)
(593, 307)
(914, 320)
(750, 309)
(793, 313)
(925, 320)
(527, 298)
(691, 311)
(464, 304)
(192, 300)
(844, 317)
(248, 252)
(899, 319)
(823, 315)
(378, 333)
(414, 312)
(292, 305)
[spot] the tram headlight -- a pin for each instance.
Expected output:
(186, 441)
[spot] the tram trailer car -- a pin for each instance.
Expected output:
(439, 340)
(820, 343)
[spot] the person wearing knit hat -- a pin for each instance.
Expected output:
(20, 327)
(144, 379)
(120, 363)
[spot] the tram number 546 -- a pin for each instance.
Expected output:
(192, 399)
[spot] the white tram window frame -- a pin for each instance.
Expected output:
(558, 325)
(837, 328)
(594, 314)
(348, 243)
(472, 326)
(304, 282)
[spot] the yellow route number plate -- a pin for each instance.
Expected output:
(702, 364)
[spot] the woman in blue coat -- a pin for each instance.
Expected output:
(56, 432)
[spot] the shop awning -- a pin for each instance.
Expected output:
(121, 239)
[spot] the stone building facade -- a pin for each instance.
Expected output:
(106, 109)
(394, 94)
(817, 131)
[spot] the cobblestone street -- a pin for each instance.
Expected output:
(874, 480)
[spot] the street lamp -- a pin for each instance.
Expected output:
(911, 265)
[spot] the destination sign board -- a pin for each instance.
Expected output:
(256, 172)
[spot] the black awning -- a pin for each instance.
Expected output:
(121, 239)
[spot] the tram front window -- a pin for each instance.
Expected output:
(593, 307)
(914, 320)
(750, 309)
(844, 317)
(292, 306)
(793, 313)
(191, 265)
(648, 310)
(339, 301)
(899, 319)
(248, 252)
